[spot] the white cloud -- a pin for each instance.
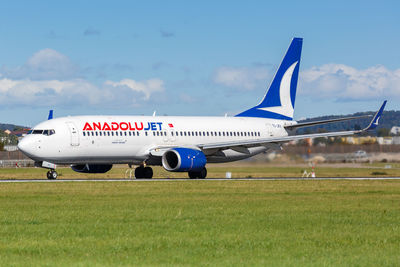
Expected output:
(242, 78)
(46, 64)
(147, 87)
(49, 78)
(347, 83)
(45, 92)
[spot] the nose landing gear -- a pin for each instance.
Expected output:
(52, 175)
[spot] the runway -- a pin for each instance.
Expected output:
(196, 180)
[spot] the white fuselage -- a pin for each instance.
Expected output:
(128, 139)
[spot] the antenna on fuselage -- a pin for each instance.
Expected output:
(154, 113)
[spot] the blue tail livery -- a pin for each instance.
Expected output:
(278, 102)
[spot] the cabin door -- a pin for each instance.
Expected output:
(74, 133)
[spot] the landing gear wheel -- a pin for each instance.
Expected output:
(203, 173)
(192, 175)
(148, 173)
(139, 173)
(52, 175)
(200, 174)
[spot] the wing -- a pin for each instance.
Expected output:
(242, 145)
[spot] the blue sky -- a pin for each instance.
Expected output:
(193, 58)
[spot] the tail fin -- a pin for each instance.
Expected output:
(278, 102)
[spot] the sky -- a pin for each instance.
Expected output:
(206, 58)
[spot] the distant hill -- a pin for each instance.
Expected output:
(10, 127)
(389, 119)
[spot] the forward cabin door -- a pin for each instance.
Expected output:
(74, 133)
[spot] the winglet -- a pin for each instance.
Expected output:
(50, 114)
(375, 120)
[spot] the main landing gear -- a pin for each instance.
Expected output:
(52, 175)
(199, 174)
(142, 172)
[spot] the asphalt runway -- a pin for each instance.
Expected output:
(200, 180)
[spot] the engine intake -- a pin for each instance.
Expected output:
(183, 160)
(91, 168)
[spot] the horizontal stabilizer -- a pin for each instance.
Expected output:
(313, 123)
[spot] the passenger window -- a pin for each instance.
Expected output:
(108, 133)
(184, 133)
(112, 133)
(165, 133)
(84, 134)
(100, 133)
(172, 133)
(146, 133)
(137, 133)
(154, 134)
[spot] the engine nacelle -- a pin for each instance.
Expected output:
(91, 168)
(183, 160)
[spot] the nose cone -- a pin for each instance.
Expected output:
(26, 146)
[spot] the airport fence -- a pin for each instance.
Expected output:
(11, 163)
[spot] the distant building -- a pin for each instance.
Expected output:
(10, 148)
(20, 133)
(7, 131)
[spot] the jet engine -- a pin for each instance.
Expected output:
(183, 160)
(91, 168)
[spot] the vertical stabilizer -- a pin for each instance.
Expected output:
(278, 102)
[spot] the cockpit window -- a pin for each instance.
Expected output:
(44, 132)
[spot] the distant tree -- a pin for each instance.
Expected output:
(382, 132)
(1, 146)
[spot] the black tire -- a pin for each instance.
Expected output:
(139, 173)
(52, 175)
(148, 173)
(203, 173)
(193, 175)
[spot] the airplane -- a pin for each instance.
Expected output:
(92, 144)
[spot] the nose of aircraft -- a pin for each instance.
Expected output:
(26, 146)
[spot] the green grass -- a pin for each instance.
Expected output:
(241, 170)
(313, 223)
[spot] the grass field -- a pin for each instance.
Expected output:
(238, 170)
(313, 223)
